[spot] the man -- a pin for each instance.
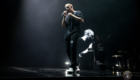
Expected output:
(85, 45)
(86, 42)
(72, 20)
(99, 49)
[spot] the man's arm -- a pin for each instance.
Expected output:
(77, 18)
(63, 21)
(85, 51)
(90, 46)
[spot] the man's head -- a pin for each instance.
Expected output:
(69, 7)
(98, 37)
(89, 33)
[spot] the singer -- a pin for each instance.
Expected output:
(72, 20)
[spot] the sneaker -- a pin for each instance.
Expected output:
(77, 69)
(70, 70)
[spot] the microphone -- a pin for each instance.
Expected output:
(64, 13)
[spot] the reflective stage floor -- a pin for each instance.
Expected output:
(32, 72)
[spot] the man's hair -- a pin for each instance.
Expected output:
(69, 4)
(89, 31)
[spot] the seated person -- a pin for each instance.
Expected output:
(85, 42)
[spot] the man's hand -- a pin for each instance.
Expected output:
(65, 13)
(70, 14)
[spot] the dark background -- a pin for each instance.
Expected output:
(35, 38)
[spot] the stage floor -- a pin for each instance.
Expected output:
(33, 72)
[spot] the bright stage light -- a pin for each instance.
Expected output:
(113, 72)
(67, 63)
(117, 65)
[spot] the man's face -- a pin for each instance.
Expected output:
(97, 37)
(68, 7)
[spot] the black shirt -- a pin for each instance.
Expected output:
(72, 25)
(83, 45)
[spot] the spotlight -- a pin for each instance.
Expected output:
(67, 63)
(118, 73)
(117, 65)
(113, 72)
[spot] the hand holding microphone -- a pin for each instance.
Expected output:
(64, 13)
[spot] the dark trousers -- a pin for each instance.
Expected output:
(71, 49)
